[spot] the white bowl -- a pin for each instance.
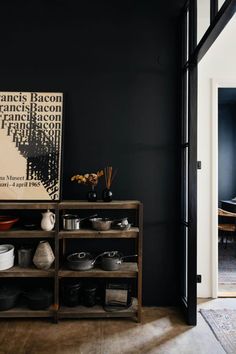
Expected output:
(8, 253)
(3, 248)
(6, 264)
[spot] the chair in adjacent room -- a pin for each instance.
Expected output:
(226, 229)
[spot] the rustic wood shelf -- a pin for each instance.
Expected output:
(17, 312)
(27, 234)
(96, 312)
(127, 270)
(131, 233)
(116, 204)
(32, 272)
(59, 239)
(28, 205)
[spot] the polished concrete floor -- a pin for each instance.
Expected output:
(163, 331)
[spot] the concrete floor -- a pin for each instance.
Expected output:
(163, 331)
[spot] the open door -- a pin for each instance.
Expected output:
(192, 53)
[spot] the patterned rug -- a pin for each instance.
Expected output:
(223, 325)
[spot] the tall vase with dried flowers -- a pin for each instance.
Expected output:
(109, 178)
(90, 179)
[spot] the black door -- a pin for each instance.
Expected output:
(188, 241)
(191, 56)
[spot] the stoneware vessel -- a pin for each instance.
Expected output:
(48, 221)
(44, 256)
(107, 195)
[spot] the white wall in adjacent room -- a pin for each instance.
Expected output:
(218, 64)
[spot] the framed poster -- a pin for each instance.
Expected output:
(30, 145)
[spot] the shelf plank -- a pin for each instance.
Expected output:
(96, 312)
(26, 312)
(115, 204)
(131, 233)
(127, 270)
(28, 205)
(26, 234)
(31, 272)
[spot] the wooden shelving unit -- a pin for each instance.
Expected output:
(16, 235)
(132, 270)
(127, 270)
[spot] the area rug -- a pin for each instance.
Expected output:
(223, 325)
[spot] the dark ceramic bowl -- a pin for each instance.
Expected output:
(30, 226)
(6, 222)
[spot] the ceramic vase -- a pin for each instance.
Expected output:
(107, 195)
(92, 195)
(44, 256)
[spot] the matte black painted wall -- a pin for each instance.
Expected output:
(117, 64)
(227, 151)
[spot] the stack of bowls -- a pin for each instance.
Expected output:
(6, 256)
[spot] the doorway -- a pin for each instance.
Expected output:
(226, 192)
(223, 187)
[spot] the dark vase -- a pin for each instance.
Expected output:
(92, 195)
(107, 195)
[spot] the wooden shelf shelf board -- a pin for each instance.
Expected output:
(31, 272)
(116, 204)
(26, 312)
(28, 205)
(88, 233)
(26, 234)
(96, 312)
(127, 270)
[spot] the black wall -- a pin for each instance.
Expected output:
(117, 64)
(227, 146)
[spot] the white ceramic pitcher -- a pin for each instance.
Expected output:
(48, 221)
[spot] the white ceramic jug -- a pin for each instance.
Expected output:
(48, 221)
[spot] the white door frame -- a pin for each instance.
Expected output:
(216, 83)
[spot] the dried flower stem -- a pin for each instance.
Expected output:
(109, 176)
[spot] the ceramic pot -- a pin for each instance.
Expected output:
(72, 293)
(89, 295)
(43, 257)
(8, 297)
(24, 257)
(107, 195)
(39, 299)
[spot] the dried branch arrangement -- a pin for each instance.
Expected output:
(88, 178)
(109, 176)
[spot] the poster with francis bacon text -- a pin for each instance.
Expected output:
(30, 145)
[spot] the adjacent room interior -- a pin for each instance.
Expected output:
(227, 191)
